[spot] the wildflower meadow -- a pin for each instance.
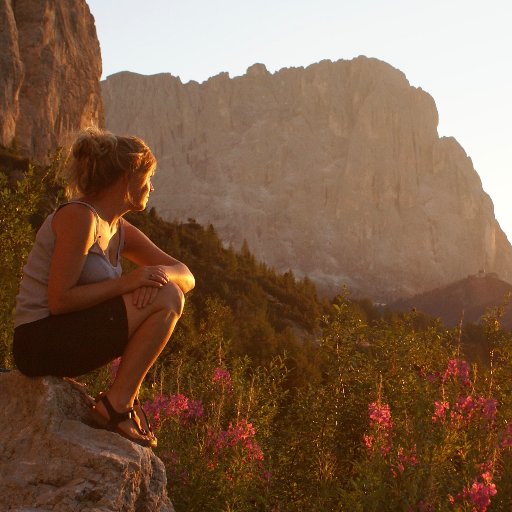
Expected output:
(398, 420)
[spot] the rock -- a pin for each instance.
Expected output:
(52, 460)
(50, 67)
(11, 73)
(335, 171)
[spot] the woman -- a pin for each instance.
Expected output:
(75, 310)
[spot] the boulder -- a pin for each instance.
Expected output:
(52, 460)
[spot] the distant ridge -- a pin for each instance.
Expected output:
(467, 299)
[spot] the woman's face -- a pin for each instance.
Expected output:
(139, 188)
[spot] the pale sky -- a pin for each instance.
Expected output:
(456, 50)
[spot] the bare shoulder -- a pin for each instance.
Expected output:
(74, 218)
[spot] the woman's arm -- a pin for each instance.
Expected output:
(139, 249)
(74, 230)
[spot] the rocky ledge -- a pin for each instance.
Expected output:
(53, 460)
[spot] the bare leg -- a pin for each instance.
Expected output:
(149, 330)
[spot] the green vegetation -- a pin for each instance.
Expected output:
(267, 398)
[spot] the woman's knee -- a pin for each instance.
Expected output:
(171, 298)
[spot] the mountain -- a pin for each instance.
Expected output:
(50, 67)
(466, 300)
(335, 171)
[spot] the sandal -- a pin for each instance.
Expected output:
(114, 418)
(145, 428)
(145, 424)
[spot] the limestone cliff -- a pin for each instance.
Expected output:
(50, 66)
(336, 171)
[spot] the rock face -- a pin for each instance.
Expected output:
(50, 67)
(52, 460)
(335, 171)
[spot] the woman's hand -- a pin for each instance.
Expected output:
(143, 296)
(146, 276)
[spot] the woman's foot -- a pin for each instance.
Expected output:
(125, 423)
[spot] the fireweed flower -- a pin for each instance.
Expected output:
(380, 416)
(440, 409)
(488, 408)
(457, 369)
(466, 408)
(406, 458)
(238, 435)
(176, 406)
(480, 492)
(223, 378)
(368, 442)
(382, 425)
(506, 441)
(403, 460)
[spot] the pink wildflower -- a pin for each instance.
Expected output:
(381, 423)
(439, 411)
(239, 435)
(467, 407)
(176, 406)
(405, 459)
(480, 492)
(195, 409)
(380, 416)
(156, 408)
(368, 441)
(506, 441)
(457, 368)
(223, 378)
(488, 408)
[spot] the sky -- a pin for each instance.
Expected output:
(456, 50)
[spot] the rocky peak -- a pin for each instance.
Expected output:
(53, 460)
(50, 67)
(335, 171)
(257, 70)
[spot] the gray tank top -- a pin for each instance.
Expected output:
(32, 299)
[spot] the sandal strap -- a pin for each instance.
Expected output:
(137, 402)
(115, 417)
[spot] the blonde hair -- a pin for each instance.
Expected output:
(99, 158)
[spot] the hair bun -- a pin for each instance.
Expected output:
(92, 144)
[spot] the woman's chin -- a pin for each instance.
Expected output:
(138, 207)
